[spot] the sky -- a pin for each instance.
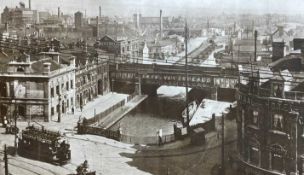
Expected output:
(169, 7)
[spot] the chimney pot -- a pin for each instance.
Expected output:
(72, 61)
(47, 67)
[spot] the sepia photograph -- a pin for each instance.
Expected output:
(152, 87)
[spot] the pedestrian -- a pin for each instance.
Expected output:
(159, 140)
(218, 135)
(4, 121)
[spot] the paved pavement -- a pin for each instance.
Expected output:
(69, 121)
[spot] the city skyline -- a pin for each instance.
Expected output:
(170, 7)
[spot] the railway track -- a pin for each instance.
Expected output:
(31, 167)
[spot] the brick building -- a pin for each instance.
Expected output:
(127, 49)
(92, 77)
(270, 121)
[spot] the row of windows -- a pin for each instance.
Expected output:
(277, 119)
(63, 106)
(275, 161)
(67, 86)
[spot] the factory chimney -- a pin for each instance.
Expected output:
(161, 24)
(255, 45)
(99, 12)
(58, 12)
(97, 27)
(30, 5)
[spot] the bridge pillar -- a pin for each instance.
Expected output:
(138, 86)
(112, 85)
(213, 93)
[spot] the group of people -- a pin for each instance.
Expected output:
(83, 168)
(9, 126)
(4, 122)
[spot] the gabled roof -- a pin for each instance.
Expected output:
(107, 38)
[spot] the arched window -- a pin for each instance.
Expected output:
(254, 152)
(277, 122)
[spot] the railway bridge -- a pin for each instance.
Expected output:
(210, 78)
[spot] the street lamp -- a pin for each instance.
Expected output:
(15, 117)
(59, 110)
(298, 121)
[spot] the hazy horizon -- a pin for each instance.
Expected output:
(169, 7)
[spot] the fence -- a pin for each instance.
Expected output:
(130, 97)
(148, 140)
(101, 115)
(83, 129)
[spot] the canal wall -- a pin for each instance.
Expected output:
(148, 140)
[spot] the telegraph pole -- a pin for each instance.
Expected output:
(223, 146)
(186, 68)
(5, 161)
(255, 45)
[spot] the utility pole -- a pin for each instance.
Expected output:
(255, 45)
(5, 161)
(59, 111)
(186, 69)
(223, 146)
(15, 116)
(297, 144)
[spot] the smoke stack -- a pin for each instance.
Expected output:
(97, 27)
(277, 50)
(30, 5)
(99, 12)
(6, 26)
(255, 45)
(58, 12)
(137, 20)
(161, 24)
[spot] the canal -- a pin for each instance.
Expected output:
(156, 112)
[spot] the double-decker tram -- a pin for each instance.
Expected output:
(44, 145)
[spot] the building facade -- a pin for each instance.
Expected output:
(38, 89)
(78, 17)
(270, 122)
(19, 16)
(126, 49)
(92, 79)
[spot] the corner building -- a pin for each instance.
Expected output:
(270, 122)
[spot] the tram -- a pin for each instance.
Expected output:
(44, 145)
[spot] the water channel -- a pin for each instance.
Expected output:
(156, 112)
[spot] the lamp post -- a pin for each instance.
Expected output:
(298, 121)
(15, 118)
(59, 110)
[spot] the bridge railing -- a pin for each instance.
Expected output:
(135, 67)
